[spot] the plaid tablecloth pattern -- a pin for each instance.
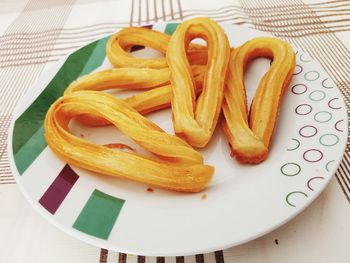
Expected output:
(39, 35)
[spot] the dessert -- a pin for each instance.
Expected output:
(250, 139)
(178, 167)
(195, 120)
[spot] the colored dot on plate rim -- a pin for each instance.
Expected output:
(329, 135)
(307, 75)
(290, 165)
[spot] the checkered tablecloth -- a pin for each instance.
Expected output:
(36, 33)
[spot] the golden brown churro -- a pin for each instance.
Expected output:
(179, 167)
(155, 81)
(250, 143)
(196, 121)
(189, 70)
(131, 36)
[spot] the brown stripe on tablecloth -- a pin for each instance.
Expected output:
(141, 259)
(160, 260)
(342, 187)
(5, 180)
(345, 167)
(140, 14)
(342, 49)
(140, 5)
(147, 11)
(219, 256)
(36, 47)
(5, 171)
(316, 39)
(6, 175)
(171, 9)
(4, 166)
(122, 258)
(103, 255)
(8, 183)
(180, 9)
(342, 177)
(180, 259)
(199, 258)
(346, 176)
(30, 53)
(132, 13)
(36, 39)
(155, 10)
(163, 10)
(320, 42)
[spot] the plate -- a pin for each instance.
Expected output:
(241, 203)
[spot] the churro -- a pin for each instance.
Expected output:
(250, 142)
(179, 167)
(155, 82)
(120, 42)
(195, 121)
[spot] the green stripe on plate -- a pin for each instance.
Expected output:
(27, 154)
(28, 135)
(170, 28)
(99, 214)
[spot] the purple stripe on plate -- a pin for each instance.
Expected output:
(59, 189)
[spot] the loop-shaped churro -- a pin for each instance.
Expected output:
(250, 142)
(131, 36)
(179, 167)
(196, 121)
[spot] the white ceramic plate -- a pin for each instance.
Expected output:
(242, 202)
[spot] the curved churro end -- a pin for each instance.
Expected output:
(119, 43)
(255, 153)
(245, 146)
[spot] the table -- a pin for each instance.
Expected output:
(36, 33)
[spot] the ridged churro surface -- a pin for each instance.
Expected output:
(195, 120)
(179, 167)
(250, 139)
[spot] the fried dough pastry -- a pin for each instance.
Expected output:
(155, 81)
(179, 167)
(131, 36)
(250, 142)
(196, 121)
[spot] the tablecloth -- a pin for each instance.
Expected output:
(36, 33)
